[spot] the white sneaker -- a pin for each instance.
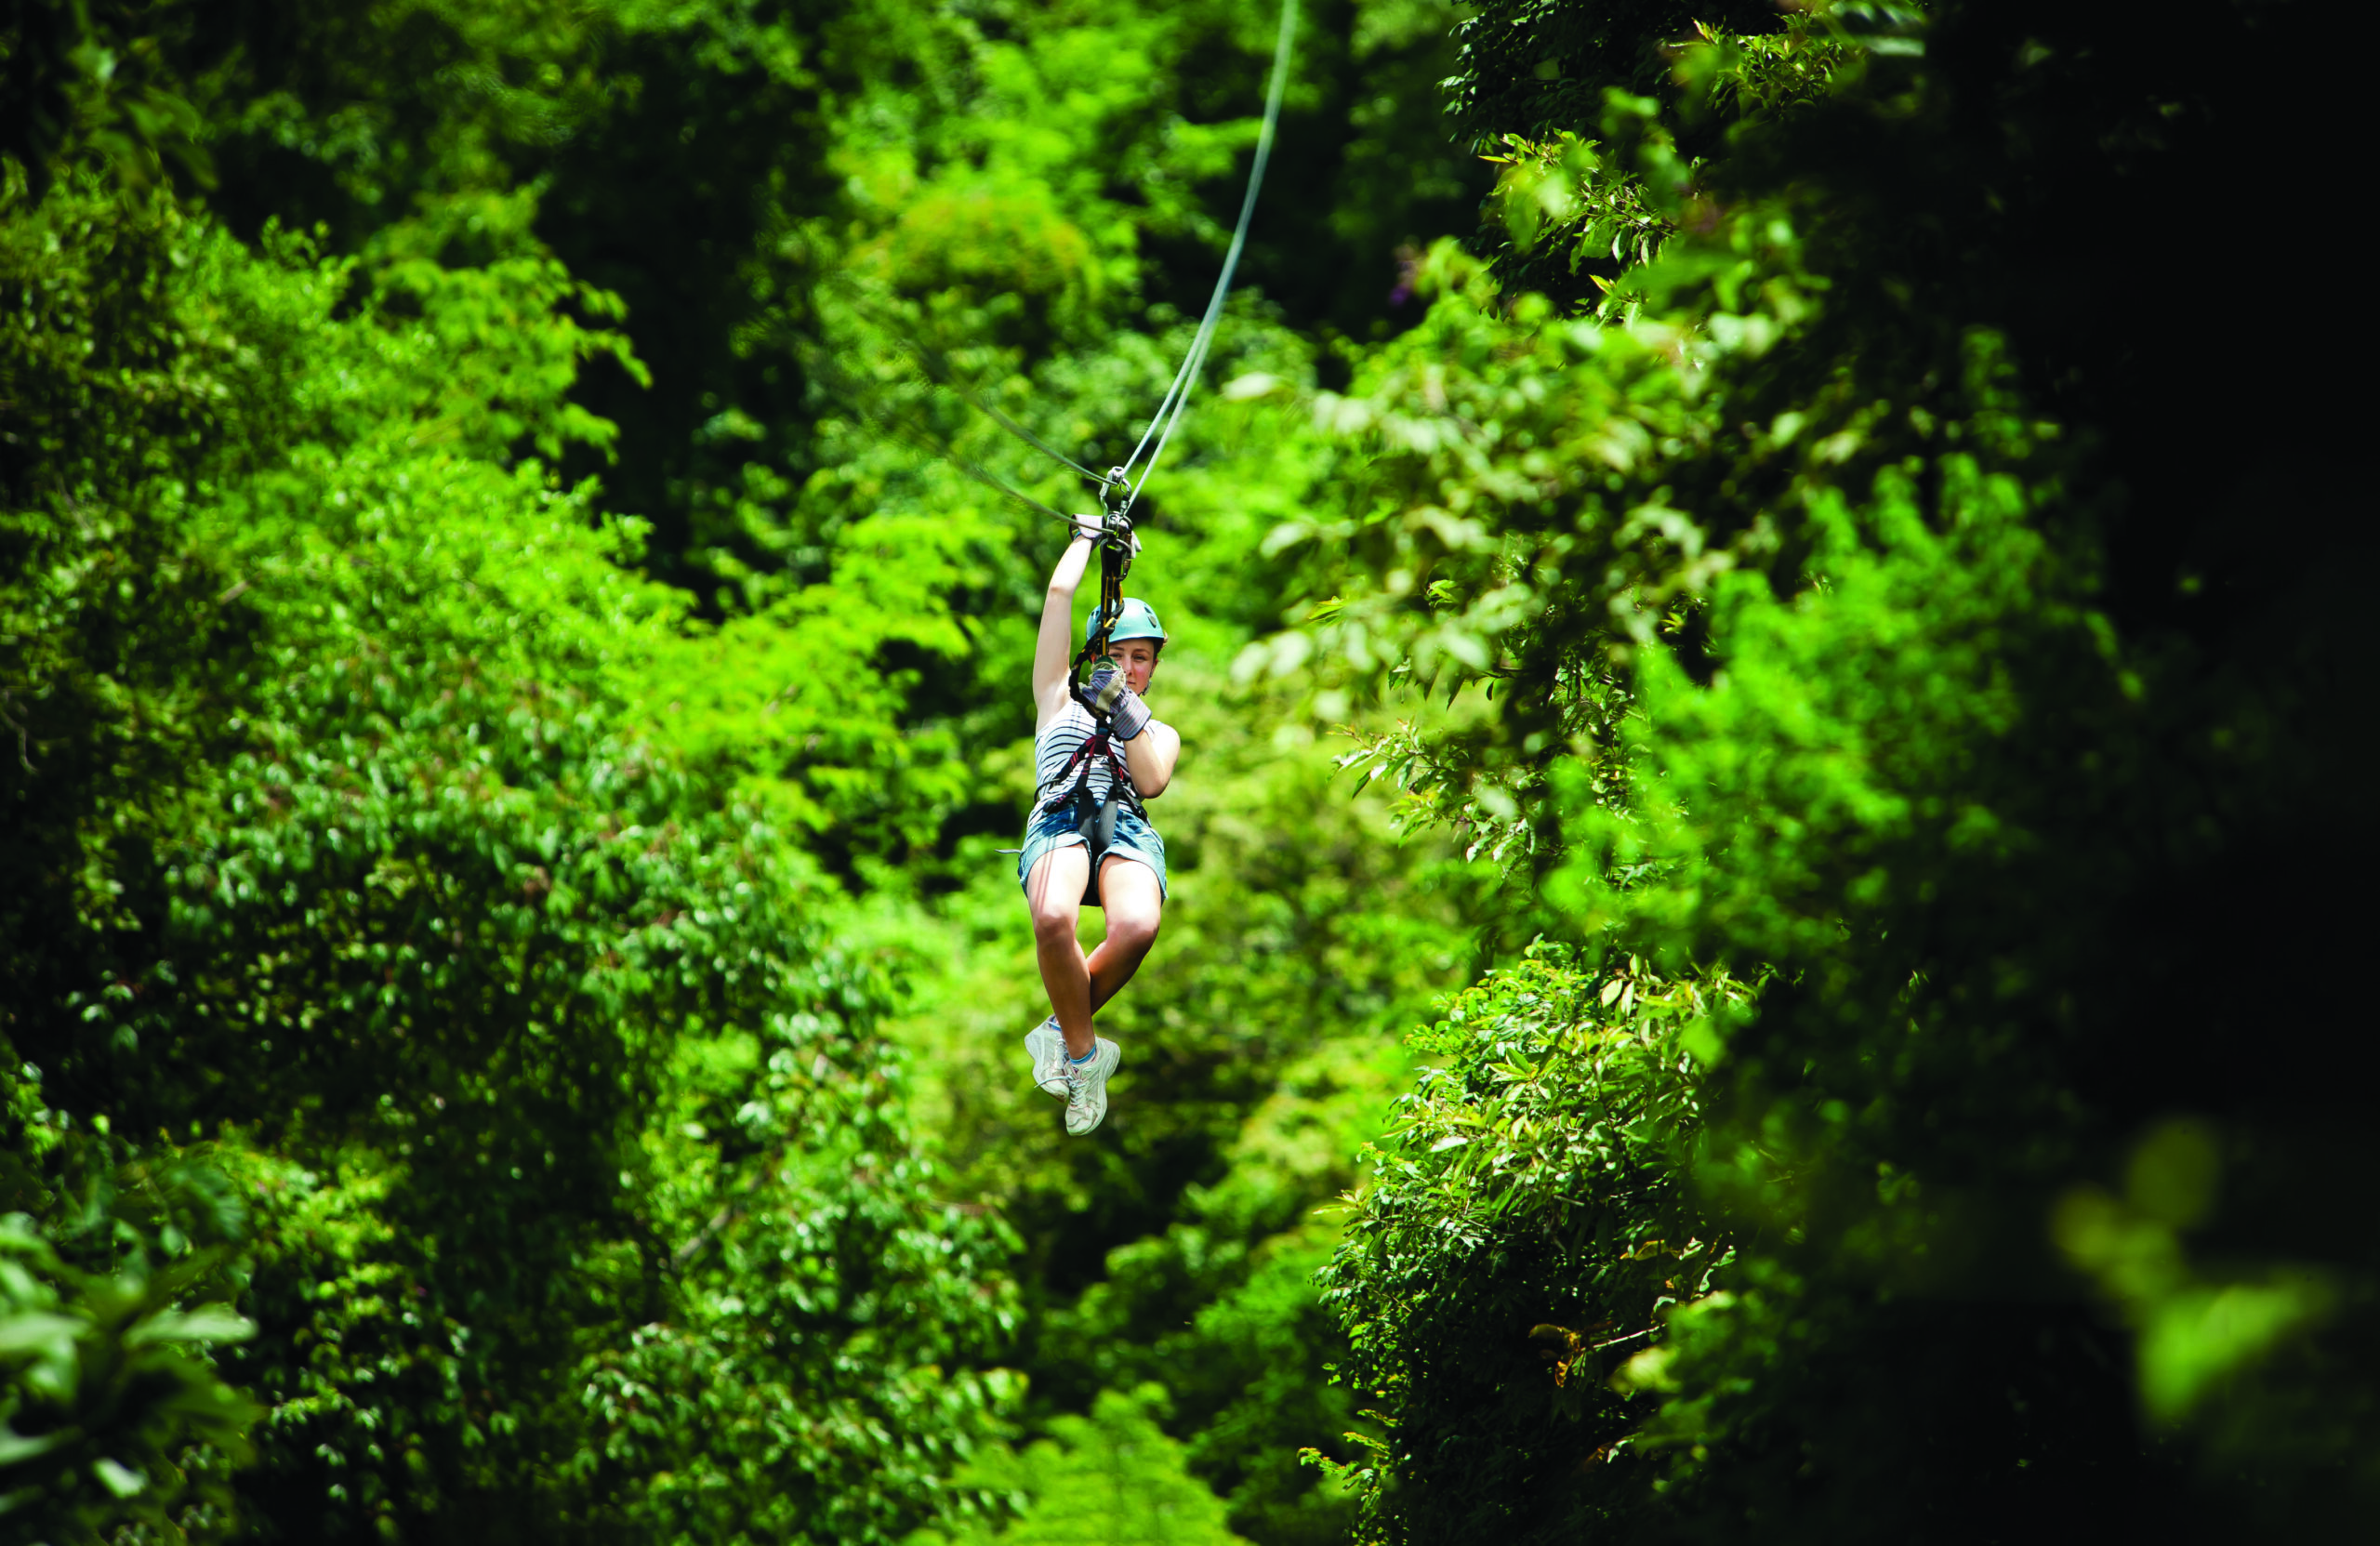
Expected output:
(1048, 1046)
(1087, 1087)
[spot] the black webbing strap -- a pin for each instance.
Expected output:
(1114, 563)
(1079, 769)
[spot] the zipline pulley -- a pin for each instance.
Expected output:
(1116, 498)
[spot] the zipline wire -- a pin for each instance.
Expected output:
(1115, 555)
(821, 365)
(938, 369)
(937, 365)
(1177, 396)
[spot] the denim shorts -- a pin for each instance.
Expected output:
(1135, 839)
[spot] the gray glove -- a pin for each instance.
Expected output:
(1109, 696)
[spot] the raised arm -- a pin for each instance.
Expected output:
(1054, 649)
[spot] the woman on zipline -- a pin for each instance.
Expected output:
(1088, 779)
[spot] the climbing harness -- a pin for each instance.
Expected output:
(1096, 819)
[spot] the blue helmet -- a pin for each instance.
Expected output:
(1134, 619)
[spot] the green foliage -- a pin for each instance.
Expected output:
(1536, 70)
(1110, 1476)
(101, 1404)
(1526, 1230)
(515, 1035)
(110, 1414)
(482, 911)
(1222, 1301)
(1855, 603)
(88, 80)
(1817, 536)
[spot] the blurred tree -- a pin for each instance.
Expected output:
(97, 77)
(1883, 584)
(111, 1418)
(343, 873)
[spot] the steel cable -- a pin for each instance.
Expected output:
(1177, 396)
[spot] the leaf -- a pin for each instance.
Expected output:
(209, 1323)
(121, 1480)
(15, 1448)
(41, 1333)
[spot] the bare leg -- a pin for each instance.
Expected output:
(1129, 893)
(1053, 890)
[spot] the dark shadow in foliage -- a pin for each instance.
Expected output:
(2066, 573)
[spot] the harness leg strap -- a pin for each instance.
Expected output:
(1098, 829)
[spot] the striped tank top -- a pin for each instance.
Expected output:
(1053, 750)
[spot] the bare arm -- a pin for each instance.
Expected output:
(1151, 756)
(1053, 651)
